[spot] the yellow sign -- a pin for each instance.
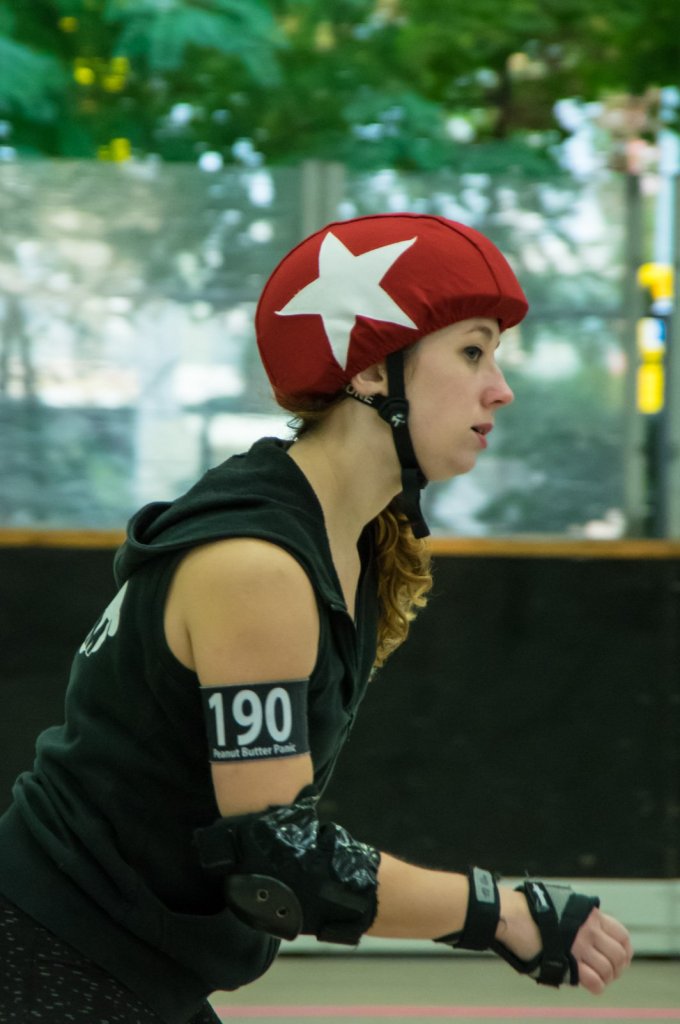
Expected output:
(658, 279)
(650, 388)
(651, 344)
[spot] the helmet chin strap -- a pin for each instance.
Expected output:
(393, 408)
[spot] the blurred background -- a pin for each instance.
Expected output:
(157, 158)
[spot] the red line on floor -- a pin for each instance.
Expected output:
(453, 1012)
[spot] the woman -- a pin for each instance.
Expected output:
(140, 871)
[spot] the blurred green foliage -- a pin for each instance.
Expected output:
(413, 84)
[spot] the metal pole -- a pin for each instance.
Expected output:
(673, 377)
(661, 458)
(323, 189)
(633, 453)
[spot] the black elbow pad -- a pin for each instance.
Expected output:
(287, 874)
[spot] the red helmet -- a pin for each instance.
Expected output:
(357, 290)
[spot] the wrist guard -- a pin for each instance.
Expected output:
(285, 873)
(557, 910)
(483, 914)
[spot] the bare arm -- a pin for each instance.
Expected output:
(417, 903)
(243, 611)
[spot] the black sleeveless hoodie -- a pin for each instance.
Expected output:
(98, 843)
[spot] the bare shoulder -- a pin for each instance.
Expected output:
(240, 610)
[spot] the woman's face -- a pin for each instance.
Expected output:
(455, 389)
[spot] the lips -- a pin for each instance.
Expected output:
(482, 429)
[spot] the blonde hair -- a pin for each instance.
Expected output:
(404, 562)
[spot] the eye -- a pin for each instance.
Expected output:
(473, 352)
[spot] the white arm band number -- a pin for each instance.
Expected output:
(278, 698)
(261, 720)
(216, 704)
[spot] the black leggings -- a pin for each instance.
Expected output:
(44, 980)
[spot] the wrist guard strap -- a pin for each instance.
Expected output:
(483, 913)
(559, 912)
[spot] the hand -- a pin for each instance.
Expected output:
(602, 947)
(602, 950)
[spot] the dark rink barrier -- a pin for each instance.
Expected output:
(530, 724)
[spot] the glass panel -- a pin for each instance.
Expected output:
(128, 363)
(555, 460)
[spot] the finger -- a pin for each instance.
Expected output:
(613, 951)
(600, 964)
(609, 937)
(618, 932)
(590, 980)
(601, 954)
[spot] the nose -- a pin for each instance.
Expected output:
(499, 392)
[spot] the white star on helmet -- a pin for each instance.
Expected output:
(348, 286)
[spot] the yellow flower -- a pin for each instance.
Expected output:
(83, 74)
(120, 150)
(113, 83)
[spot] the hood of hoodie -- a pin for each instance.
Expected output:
(261, 493)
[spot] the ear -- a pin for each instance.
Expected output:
(371, 381)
